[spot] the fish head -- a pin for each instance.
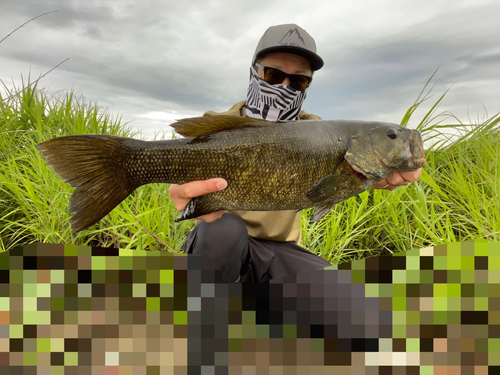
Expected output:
(380, 148)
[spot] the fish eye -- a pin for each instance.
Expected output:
(392, 134)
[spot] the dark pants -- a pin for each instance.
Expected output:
(227, 243)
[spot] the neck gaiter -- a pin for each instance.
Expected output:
(272, 102)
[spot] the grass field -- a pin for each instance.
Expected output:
(456, 199)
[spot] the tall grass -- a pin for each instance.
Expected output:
(457, 197)
(34, 201)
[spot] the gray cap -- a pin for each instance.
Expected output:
(289, 38)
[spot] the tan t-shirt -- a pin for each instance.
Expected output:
(268, 225)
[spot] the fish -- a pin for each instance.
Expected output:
(269, 166)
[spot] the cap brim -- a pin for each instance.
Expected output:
(315, 61)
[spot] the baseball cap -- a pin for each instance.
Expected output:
(289, 38)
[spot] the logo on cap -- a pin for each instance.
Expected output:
(292, 38)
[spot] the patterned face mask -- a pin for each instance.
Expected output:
(272, 102)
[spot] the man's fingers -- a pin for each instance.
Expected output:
(411, 175)
(197, 188)
(182, 194)
(381, 184)
(397, 178)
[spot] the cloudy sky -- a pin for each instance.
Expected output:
(154, 61)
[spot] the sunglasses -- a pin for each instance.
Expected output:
(275, 76)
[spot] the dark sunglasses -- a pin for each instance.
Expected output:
(275, 76)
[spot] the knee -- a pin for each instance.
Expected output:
(225, 241)
(228, 229)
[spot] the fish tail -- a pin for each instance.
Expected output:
(95, 165)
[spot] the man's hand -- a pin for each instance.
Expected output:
(397, 178)
(182, 194)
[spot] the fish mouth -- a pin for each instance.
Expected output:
(380, 159)
(416, 163)
(416, 147)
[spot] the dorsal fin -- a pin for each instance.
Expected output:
(196, 126)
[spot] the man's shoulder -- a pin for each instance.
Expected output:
(303, 115)
(236, 110)
(239, 110)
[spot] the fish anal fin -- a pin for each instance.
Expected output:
(196, 126)
(195, 207)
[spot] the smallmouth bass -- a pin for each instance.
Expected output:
(269, 166)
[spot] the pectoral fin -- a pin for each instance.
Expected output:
(328, 187)
(324, 193)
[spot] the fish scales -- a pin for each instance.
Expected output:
(270, 155)
(268, 166)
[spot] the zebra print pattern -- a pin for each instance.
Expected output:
(272, 102)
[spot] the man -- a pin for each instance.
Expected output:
(258, 246)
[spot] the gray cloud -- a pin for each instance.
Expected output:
(187, 57)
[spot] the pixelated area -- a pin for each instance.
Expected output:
(79, 310)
